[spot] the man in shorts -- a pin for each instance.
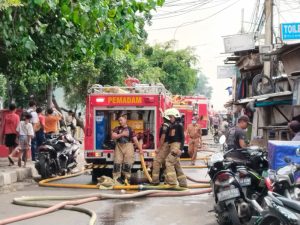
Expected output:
(11, 122)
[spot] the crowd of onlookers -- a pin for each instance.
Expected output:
(26, 132)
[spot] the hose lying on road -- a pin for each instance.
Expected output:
(199, 158)
(198, 181)
(46, 183)
(194, 167)
(70, 201)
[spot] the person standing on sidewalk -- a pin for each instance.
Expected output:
(11, 122)
(25, 135)
(40, 134)
(194, 132)
(174, 171)
(162, 151)
(35, 124)
(51, 121)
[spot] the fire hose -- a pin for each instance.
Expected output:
(49, 182)
(70, 201)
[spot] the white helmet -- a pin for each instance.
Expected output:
(172, 112)
(166, 116)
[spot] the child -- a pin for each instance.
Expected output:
(25, 134)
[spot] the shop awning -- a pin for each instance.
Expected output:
(273, 103)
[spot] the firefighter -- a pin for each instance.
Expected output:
(124, 151)
(163, 150)
(174, 171)
(194, 132)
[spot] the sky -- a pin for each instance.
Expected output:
(209, 21)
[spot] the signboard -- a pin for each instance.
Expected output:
(239, 42)
(263, 49)
(226, 71)
(290, 31)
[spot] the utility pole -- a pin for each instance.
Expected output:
(242, 22)
(268, 32)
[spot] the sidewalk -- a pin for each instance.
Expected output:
(13, 178)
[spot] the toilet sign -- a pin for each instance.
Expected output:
(290, 31)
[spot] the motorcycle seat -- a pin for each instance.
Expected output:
(292, 204)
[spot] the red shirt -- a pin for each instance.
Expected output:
(42, 119)
(11, 122)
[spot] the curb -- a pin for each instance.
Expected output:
(12, 175)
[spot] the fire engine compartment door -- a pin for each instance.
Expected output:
(141, 119)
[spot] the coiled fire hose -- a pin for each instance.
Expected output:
(70, 201)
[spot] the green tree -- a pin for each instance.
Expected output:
(203, 87)
(40, 41)
(178, 66)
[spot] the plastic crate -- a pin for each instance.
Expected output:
(278, 150)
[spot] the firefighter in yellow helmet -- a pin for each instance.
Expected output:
(124, 151)
(162, 151)
(174, 171)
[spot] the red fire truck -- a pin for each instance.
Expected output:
(142, 103)
(189, 106)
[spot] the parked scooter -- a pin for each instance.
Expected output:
(277, 210)
(285, 180)
(57, 155)
(227, 190)
(243, 171)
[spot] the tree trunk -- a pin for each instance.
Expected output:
(50, 94)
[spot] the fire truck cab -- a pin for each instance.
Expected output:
(142, 104)
(189, 106)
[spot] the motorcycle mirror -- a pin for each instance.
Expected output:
(287, 159)
(222, 139)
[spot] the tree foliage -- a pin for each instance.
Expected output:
(203, 87)
(179, 67)
(2, 86)
(40, 41)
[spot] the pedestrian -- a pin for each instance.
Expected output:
(224, 126)
(51, 121)
(124, 151)
(25, 135)
(162, 151)
(216, 123)
(294, 127)
(40, 134)
(194, 132)
(10, 124)
(35, 124)
(174, 171)
(80, 126)
(237, 136)
(71, 122)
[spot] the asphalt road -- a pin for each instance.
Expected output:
(189, 210)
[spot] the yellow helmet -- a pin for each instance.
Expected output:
(172, 112)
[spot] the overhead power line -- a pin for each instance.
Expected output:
(189, 11)
(196, 21)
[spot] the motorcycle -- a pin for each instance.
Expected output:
(230, 202)
(217, 136)
(252, 167)
(277, 210)
(57, 155)
(285, 180)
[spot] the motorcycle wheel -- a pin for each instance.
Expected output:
(44, 168)
(233, 216)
